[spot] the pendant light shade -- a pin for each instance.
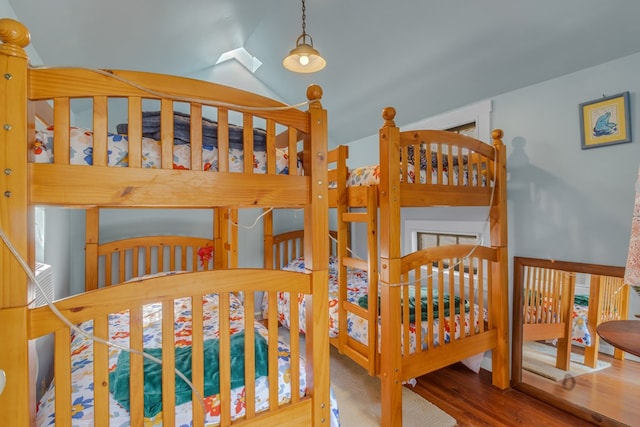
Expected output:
(304, 58)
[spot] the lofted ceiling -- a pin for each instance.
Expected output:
(423, 57)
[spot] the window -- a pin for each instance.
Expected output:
(430, 239)
(478, 115)
(421, 234)
(426, 239)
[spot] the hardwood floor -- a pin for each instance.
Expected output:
(473, 401)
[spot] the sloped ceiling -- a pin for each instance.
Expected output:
(423, 57)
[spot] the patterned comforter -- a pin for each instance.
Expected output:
(81, 153)
(82, 373)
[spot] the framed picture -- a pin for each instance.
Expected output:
(605, 121)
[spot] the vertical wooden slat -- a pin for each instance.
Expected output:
(100, 126)
(249, 357)
(223, 140)
(168, 364)
(166, 133)
(295, 352)
(247, 132)
(62, 372)
(91, 239)
(233, 251)
(196, 136)
(271, 147)
(148, 252)
(136, 380)
(107, 269)
(273, 343)
(135, 262)
(101, 372)
(473, 291)
(404, 289)
(225, 362)
(197, 361)
(134, 130)
(452, 292)
(292, 151)
(61, 148)
(430, 319)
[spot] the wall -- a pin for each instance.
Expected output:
(567, 203)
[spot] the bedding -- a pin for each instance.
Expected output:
(81, 152)
(357, 289)
(82, 377)
(580, 333)
(370, 175)
(182, 131)
(363, 302)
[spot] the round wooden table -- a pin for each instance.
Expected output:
(622, 334)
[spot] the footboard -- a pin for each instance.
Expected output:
(547, 306)
(548, 296)
(121, 260)
(445, 313)
(177, 319)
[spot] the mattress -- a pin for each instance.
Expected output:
(81, 152)
(82, 377)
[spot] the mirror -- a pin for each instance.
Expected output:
(557, 355)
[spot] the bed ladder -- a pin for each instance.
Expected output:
(364, 355)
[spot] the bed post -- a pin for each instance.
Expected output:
(91, 240)
(17, 399)
(391, 357)
(316, 255)
(500, 273)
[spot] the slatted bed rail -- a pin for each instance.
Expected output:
(157, 128)
(448, 158)
(96, 316)
(124, 259)
(547, 306)
(445, 306)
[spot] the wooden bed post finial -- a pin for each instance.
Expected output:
(389, 114)
(497, 135)
(314, 93)
(14, 36)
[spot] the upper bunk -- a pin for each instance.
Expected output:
(443, 168)
(127, 138)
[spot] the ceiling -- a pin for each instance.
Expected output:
(423, 57)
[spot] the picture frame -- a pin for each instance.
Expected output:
(605, 121)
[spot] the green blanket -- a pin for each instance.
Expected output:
(424, 301)
(581, 300)
(119, 377)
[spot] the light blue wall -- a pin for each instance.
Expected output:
(566, 203)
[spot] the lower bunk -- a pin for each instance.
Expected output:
(446, 296)
(207, 360)
(562, 303)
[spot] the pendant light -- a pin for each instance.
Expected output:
(304, 58)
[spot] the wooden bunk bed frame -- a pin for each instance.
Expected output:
(544, 293)
(26, 184)
(386, 268)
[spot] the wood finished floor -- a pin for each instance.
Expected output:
(473, 401)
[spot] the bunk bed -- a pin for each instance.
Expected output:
(550, 309)
(216, 316)
(450, 170)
